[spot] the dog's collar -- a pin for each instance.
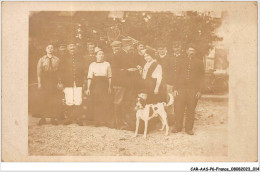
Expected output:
(142, 102)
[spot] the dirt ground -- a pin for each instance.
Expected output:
(211, 130)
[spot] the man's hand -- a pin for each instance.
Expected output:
(156, 90)
(39, 85)
(109, 90)
(87, 92)
(169, 88)
(198, 95)
(139, 67)
(175, 93)
(60, 86)
(132, 69)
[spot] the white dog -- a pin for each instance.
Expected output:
(143, 112)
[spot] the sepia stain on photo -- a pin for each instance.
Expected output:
(128, 83)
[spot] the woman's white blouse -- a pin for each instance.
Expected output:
(157, 73)
(99, 69)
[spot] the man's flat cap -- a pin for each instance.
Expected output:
(115, 44)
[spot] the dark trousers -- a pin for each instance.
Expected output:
(185, 102)
(74, 112)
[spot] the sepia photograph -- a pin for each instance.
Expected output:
(129, 82)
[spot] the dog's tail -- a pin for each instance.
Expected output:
(170, 101)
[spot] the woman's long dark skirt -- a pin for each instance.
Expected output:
(149, 85)
(102, 101)
(49, 97)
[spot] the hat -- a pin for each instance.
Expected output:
(150, 52)
(143, 91)
(191, 45)
(90, 43)
(97, 49)
(115, 44)
(126, 42)
(141, 42)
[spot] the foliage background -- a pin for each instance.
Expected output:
(154, 28)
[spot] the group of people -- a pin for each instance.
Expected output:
(101, 87)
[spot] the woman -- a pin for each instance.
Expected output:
(99, 88)
(152, 78)
(50, 97)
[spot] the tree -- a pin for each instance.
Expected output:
(193, 28)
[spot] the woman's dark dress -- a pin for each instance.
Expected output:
(99, 73)
(149, 84)
(50, 98)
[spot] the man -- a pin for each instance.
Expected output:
(117, 62)
(72, 79)
(140, 54)
(189, 80)
(176, 56)
(62, 50)
(116, 46)
(124, 71)
(90, 54)
(116, 49)
(164, 60)
(89, 57)
(116, 59)
(132, 80)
